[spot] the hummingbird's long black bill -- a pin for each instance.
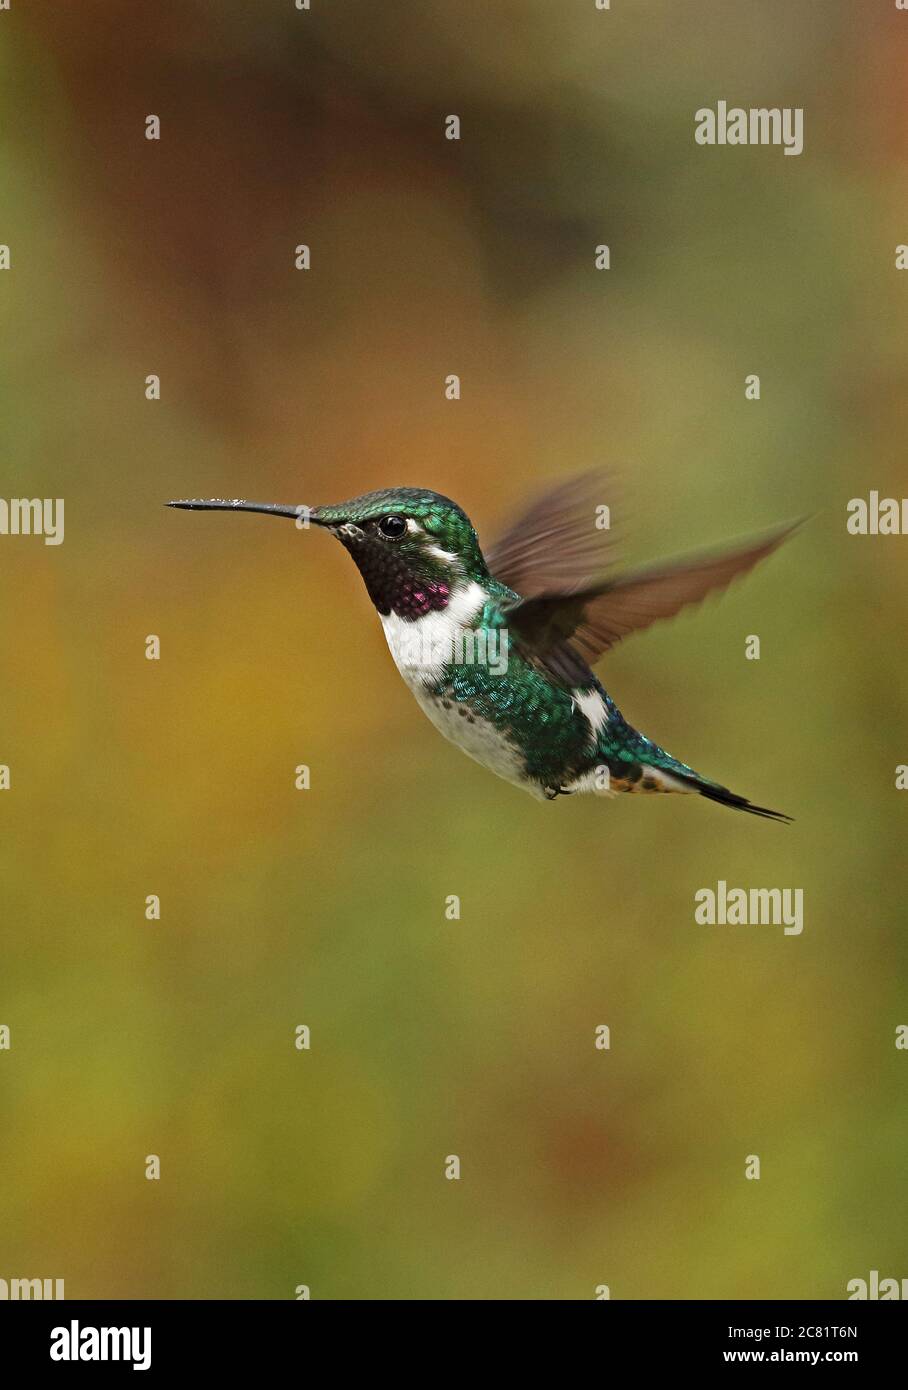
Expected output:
(237, 504)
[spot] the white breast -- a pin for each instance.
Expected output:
(478, 738)
(421, 650)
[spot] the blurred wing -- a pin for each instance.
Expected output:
(558, 546)
(565, 633)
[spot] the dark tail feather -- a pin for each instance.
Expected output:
(713, 792)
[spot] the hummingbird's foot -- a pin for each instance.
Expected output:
(552, 792)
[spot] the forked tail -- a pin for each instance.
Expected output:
(637, 764)
(714, 792)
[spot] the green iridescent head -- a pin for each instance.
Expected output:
(412, 547)
(431, 523)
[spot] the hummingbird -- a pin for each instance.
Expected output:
(498, 647)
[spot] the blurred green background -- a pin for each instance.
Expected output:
(326, 907)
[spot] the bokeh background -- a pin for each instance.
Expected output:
(326, 907)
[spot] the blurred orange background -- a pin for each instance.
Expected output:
(132, 777)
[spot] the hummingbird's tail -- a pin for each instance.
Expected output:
(639, 765)
(713, 791)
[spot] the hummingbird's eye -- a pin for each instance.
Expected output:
(392, 527)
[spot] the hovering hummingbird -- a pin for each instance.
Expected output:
(543, 602)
